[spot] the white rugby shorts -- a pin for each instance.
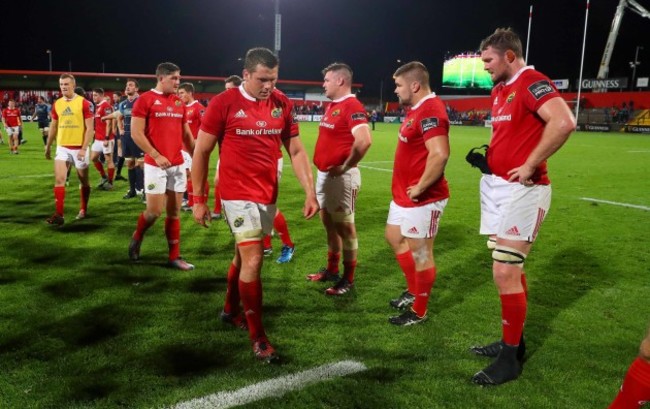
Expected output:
(70, 155)
(248, 221)
(338, 194)
(512, 211)
(419, 222)
(157, 181)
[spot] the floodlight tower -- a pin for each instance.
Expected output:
(278, 29)
(632, 5)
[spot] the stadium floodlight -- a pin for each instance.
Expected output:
(49, 54)
(634, 64)
(278, 29)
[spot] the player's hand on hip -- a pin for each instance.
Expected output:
(81, 155)
(201, 214)
(413, 192)
(335, 171)
(162, 162)
(522, 174)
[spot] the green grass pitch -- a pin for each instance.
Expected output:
(82, 327)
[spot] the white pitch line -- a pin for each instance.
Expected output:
(589, 199)
(373, 168)
(27, 176)
(274, 387)
(638, 151)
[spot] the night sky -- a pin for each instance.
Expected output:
(206, 37)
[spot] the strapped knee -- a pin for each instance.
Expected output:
(508, 255)
(491, 243)
(350, 244)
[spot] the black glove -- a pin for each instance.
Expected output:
(478, 159)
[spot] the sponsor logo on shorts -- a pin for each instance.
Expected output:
(151, 186)
(276, 112)
(540, 89)
(511, 97)
(413, 230)
(428, 123)
(239, 221)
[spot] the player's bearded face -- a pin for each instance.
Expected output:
(495, 64)
(261, 82)
(402, 91)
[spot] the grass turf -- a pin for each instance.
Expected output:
(82, 327)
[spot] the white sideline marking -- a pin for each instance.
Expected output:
(373, 168)
(589, 199)
(274, 387)
(638, 151)
(49, 175)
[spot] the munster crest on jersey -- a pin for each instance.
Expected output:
(409, 123)
(336, 112)
(178, 103)
(276, 112)
(511, 97)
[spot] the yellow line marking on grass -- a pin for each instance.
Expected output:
(273, 388)
(589, 199)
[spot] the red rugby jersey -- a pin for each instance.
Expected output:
(165, 117)
(335, 131)
(516, 127)
(250, 133)
(425, 120)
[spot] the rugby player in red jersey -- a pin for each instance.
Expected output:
(12, 122)
(250, 122)
(159, 127)
(195, 111)
(103, 141)
(635, 391)
(530, 122)
(420, 190)
(343, 140)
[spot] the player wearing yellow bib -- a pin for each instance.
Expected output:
(72, 126)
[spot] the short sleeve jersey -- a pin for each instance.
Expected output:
(195, 111)
(250, 132)
(335, 137)
(42, 112)
(425, 120)
(165, 116)
(11, 116)
(126, 107)
(103, 109)
(516, 127)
